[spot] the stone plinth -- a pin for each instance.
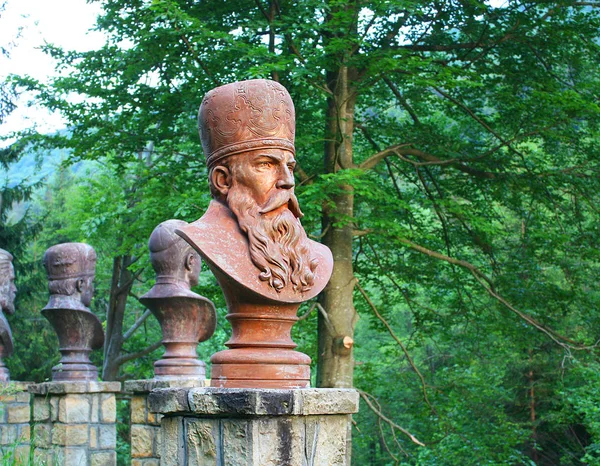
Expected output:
(144, 424)
(14, 422)
(254, 427)
(74, 423)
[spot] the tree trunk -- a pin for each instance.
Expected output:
(122, 281)
(335, 367)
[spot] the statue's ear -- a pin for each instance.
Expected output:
(190, 261)
(79, 284)
(221, 179)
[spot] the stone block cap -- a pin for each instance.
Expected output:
(61, 388)
(254, 402)
(147, 385)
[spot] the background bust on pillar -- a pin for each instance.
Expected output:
(251, 236)
(186, 318)
(71, 268)
(8, 291)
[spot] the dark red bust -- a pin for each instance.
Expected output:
(251, 236)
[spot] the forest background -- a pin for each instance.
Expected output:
(448, 155)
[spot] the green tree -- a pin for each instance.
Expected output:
(448, 157)
(17, 230)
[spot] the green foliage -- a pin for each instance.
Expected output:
(123, 432)
(474, 182)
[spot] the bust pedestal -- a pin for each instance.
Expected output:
(254, 427)
(185, 321)
(261, 351)
(79, 332)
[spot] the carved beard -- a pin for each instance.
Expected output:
(6, 299)
(278, 243)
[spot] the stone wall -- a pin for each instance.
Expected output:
(15, 412)
(74, 423)
(254, 427)
(145, 436)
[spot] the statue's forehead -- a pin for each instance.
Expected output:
(277, 154)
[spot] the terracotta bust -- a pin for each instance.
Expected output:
(8, 291)
(186, 318)
(251, 236)
(71, 268)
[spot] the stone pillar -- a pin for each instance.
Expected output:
(15, 411)
(144, 424)
(74, 423)
(254, 427)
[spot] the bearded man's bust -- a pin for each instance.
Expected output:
(251, 236)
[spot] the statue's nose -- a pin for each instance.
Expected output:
(286, 179)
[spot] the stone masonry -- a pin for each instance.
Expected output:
(74, 423)
(254, 427)
(144, 424)
(15, 412)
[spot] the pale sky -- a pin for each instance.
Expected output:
(62, 22)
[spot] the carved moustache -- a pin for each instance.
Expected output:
(279, 198)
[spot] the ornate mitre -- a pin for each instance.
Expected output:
(71, 260)
(244, 116)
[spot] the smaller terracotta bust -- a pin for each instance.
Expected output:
(71, 268)
(8, 291)
(186, 318)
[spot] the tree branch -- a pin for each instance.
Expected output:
(302, 175)
(323, 233)
(262, 10)
(468, 111)
(402, 100)
(365, 396)
(401, 150)
(322, 311)
(554, 336)
(328, 323)
(488, 285)
(307, 313)
(451, 260)
(194, 53)
(136, 325)
(128, 283)
(404, 350)
(379, 156)
(477, 119)
(128, 357)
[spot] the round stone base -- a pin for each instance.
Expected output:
(179, 368)
(260, 368)
(73, 372)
